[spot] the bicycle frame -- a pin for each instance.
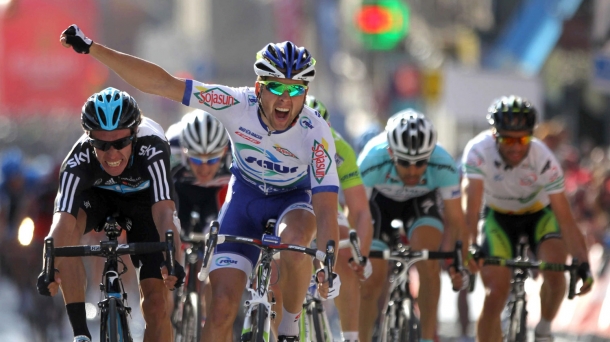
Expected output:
(259, 308)
(113, 311)
(399, 322)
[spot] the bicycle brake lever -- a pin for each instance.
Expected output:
(355, 246)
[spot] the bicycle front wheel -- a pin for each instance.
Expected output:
(517, 329)
(321, 329)
(394, 324)
(189, 327)
(114, 326)
(257, 331)
(412, 332)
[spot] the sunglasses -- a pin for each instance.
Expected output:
(514, 140)
(106, 145)
(278, 88)
(408, 163)
(198, 161)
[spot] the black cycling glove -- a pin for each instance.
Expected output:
(76, 38)
(42, 286)
(584, 272)
(178, 273)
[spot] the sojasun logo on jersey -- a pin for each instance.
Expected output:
(320, 159)
(215, 98)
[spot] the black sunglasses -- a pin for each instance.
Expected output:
(106, 145)
(408, 163)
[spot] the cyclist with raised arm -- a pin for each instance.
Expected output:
(120, 164)
(411, 178)
(352, 272)
(283, 168)
(522, 186)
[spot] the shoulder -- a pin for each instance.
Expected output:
(81, 154)
(148, 127)
(441, 160)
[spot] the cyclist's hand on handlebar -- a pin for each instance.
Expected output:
(325, 291)
(173, 282)
(474, 260)
(75, 38)
(47, 289)
(459, 280)
(584, 273)
(363, 270)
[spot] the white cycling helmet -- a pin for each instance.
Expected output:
(411, 135)
(285, 60)
(202, 133)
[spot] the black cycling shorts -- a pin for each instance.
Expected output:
(415, 212)
(501, 232)
(98, 204)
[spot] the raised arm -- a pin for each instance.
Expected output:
(143, 75)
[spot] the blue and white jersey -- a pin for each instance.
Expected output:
(300, 157)
(378, 171)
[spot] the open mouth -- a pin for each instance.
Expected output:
(282, 113)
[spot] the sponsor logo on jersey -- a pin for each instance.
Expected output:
(426, 205)
(77, 159)
(269, 165)
(215, 98)
(546, 167)
(225, 261)
(110, 182)
(125, 188)
(455, 193)
(305, 122)
(252, 100)
(97, 182)
(149, 151)
(250, 139)
(284, 151)
(339, 160)
(321, 160)
(528, 180)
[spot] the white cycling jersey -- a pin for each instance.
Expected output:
(513, 190)
(300, 157)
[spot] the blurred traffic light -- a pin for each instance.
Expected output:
(382, 23)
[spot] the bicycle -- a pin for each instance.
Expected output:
(314, 325)
(259, 307)
(399, 321)
(113, 306)
(514, 316)
(187, 314)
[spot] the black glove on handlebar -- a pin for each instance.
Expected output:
(76, 38)
(584, 272)
(43, 286)
(178, 273)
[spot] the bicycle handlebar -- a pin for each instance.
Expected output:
(215, 239)
(353, 242)
(104, 249)
(540, 265)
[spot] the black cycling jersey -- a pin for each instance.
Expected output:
(147, 175)
(204, 199)
(83, 184)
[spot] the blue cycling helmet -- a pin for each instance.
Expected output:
(109, 110)
(285, 60)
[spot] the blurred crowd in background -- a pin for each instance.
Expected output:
(448, 59)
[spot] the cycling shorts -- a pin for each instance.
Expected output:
(415, 212)
(501, 232)
(246, 213)
(98, 204)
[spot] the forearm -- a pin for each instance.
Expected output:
(364, 228)
(575, 243)
(141, 74)
(328, 229)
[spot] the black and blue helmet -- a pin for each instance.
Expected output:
(109, 110)
(512, 113)
(285, 60)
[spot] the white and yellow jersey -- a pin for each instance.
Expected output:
(513, 190)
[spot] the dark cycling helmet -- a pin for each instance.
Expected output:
(285, 60)
(202, 133)
(316, 104)
(512, 113)
(411, 135)
(109, 110)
